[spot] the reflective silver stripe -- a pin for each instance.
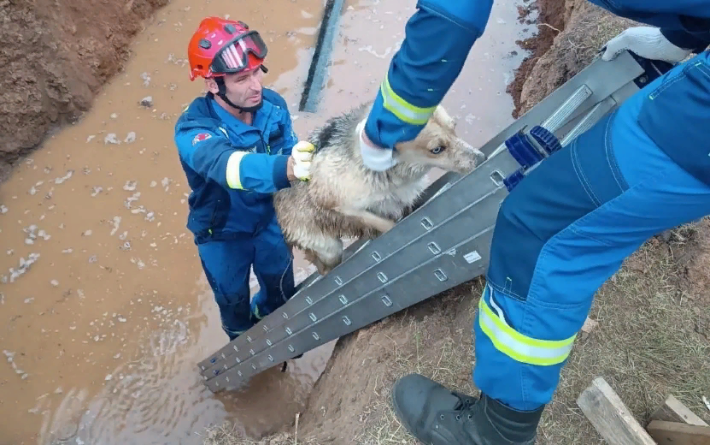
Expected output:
(401, 108)
(233, 179)
(518, 346)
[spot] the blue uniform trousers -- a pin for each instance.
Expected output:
(227, 266)
(567, 228)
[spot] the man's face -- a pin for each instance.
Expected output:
(243, 89)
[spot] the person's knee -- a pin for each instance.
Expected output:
(513, 214)
(520, 232)
(226, 265)
(518, 224)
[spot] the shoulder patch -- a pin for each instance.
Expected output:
(200, 137)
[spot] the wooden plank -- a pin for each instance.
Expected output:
(667, 433)
(610, 417)
(673, 410)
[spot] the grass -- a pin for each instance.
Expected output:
(441, 349)
(227, 435)
(645, 346)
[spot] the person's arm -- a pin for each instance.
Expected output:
(674, 29)
(438, 38)
(212, 156)
(694, 35)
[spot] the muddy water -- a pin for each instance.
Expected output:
(102, 330)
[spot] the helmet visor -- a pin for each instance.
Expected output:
(233, 57)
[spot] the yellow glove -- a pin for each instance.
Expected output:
(302, 154)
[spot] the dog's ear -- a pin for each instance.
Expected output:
(443, 118)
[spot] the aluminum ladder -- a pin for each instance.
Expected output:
(443, 243)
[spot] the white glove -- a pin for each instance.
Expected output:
(302, 154)
(374, 158)
(647, 42)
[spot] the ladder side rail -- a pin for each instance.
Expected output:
(338, 308)
(621, 71)
(602, 77)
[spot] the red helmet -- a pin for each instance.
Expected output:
(222, 46)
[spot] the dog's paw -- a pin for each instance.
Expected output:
(387, 225)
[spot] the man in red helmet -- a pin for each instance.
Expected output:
(237, 147)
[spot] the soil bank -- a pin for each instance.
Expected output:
(56, 57)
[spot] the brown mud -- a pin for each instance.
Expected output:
(651, 337)
(103, 304)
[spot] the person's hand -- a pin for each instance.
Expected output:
(299, 163)
(374, 157)
(647, 42)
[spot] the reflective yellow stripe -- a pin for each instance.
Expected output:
(257, 313)
(233, 162)
(518, 346)
(401, 108)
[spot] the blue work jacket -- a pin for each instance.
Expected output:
(206, 136)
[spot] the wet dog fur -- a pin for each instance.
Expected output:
(343, 199)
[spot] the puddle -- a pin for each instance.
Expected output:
(105, 310)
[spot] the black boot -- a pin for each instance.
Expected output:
(438, 416)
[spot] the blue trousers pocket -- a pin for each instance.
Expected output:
(675, 115)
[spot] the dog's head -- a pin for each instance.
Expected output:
(438, 146)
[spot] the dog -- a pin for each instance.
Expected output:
(344, 199)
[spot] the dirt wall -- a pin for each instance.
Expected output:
(646, 344)
(55, 57)
(571, 33)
